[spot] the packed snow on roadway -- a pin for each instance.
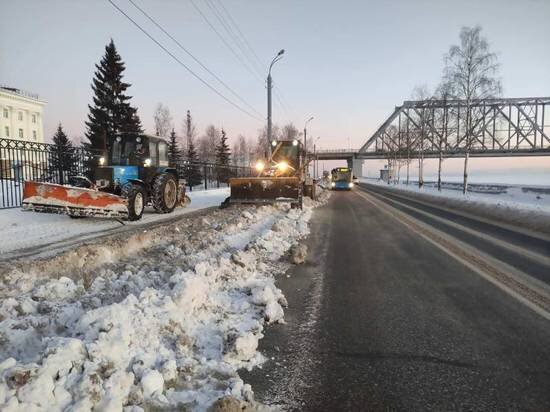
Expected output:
(167, 326)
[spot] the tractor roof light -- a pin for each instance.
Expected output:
(259, 166)
(147, 162)
(101, 160)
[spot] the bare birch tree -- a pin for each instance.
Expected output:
(421, 93)
(443, 93)
(471, 68)
(163, 121)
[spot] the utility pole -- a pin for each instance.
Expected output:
(305, 142)
(278, 57)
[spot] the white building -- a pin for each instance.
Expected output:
(21, 115)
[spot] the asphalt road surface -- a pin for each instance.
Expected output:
(379, 318)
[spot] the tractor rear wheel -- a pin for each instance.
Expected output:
(165, 193)
(136, 200)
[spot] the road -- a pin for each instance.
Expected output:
(383, 316)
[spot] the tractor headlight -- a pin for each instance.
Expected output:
(147, 162)
(101, 160)
(282, 166)
(274, 143)
(333, 184)
(259, 165)
(295, 142)
(351, 184)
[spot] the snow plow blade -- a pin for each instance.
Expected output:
(264, 189)
(72, 201)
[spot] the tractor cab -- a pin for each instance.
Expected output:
(285, 160)
(131, 158)
(140, 150)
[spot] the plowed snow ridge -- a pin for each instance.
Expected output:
(166, 327)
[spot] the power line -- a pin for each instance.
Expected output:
(232, 35)
(246, 42)
(243, 44)
(184, 65)
(223, 39)
(194, 58)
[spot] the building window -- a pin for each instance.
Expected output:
(34, 118)
(34, 134)
(20, 133)
(20, 116)
(6, 113)
(7, 131)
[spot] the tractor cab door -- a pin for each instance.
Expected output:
(158, 153)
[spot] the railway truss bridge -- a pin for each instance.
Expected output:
(500, 127)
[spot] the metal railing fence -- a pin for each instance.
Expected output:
(23, 160)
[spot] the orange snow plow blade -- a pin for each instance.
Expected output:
(73, 201)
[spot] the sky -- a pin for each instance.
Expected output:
(346, 63)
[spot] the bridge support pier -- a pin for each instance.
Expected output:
(356, 165)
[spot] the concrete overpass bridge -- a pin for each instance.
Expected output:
(502, 127)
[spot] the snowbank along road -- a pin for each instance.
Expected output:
(163, 318)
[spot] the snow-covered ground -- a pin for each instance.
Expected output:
(165, 327)
(30, 230)
(524, 206)
(514, 196)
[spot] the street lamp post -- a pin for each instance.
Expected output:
(315, 161)
(305, 132)
(278, 57)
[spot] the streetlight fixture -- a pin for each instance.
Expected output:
(305, 132)
(278, 57)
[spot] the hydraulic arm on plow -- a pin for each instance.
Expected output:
(281, 178)
(135, 173)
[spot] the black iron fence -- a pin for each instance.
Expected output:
(43, 162)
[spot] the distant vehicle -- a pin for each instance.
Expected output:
(341, 179)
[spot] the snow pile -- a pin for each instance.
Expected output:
(166, 329)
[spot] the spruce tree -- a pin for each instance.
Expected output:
(223, 155)
(174, 151)
(111, 113)
(192, 172)
(63, 156)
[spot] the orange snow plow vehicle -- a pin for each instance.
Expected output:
(281, 178)
(136, 174)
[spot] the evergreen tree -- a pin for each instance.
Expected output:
(63, 156)
(192, 172)
(223, 155)
(111, 113)
(174, 151)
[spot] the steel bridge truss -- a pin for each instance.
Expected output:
(452, 128)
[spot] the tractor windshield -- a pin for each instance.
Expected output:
(286, 152)
(127, 153)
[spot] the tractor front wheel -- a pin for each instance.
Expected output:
(165, 193)
(136, 200)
